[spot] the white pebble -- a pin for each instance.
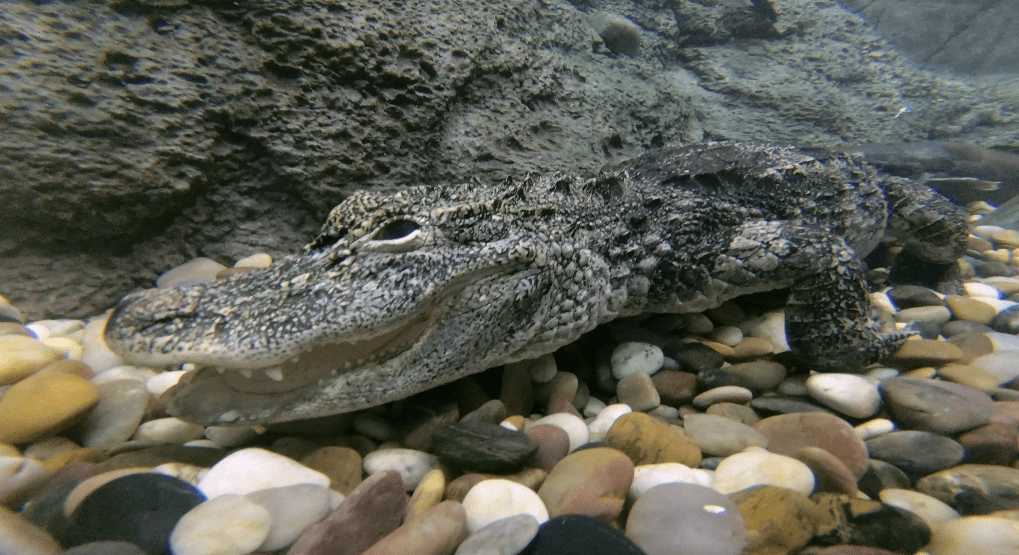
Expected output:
(196, 270)
(723, 394)
(95, 353)
(631, 357)
(496, 499)
(882, 373)
(977, 289)
(136, 373)
(932, 511)
(593, 407)
(1003, 364)
(257, 260)
(726, 335)
(601, 424)
(232, 436)
(294, 509)
(648, 476)
(168, 430)
(158, 384)
(756, 467)
(575, 428)
(882, 302)
(873, 428)
(227, 525)
(252, 469)
(794, 385)
(975, 535)
(772, 328)
(850, 394)
(410, 464)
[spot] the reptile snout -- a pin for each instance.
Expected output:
(140, 310)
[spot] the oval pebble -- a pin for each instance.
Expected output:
(916, 452)
(721, 436)
(574, 426)
(226, 525)
(293, 509)
(686, 518)
(168, 430)
(505, 536)
(849, 394)
(983, 535)
(933, 511)
(632, 356)
(496, 499)
(592, 482)
(606, 417)
(757, 467)
(723, 394)
(253, 469)
(410, 464)
(648, 476)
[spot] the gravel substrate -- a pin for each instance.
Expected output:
(694, 433)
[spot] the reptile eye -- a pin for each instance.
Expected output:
(395, 230)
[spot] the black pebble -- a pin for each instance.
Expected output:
(777, 404)
(1006, 321)
(890, 528)
(695, 357)
(139, 508)
(483, 447)
(718, 377)
(911, 296)
(580, 535)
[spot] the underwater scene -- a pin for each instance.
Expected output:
(542, 277)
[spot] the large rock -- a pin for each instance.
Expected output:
(136, 131)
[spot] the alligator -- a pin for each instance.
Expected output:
(404, 291)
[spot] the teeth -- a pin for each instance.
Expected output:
(246, 372)
(275, 374)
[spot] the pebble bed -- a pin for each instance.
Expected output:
(693, 433)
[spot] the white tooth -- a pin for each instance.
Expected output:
(275, 374)
(246, 372)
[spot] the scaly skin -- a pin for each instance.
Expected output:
(406, 291)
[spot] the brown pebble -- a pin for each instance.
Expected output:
(832, 474)
(990, 444)
(924, 352)
(341, 464)
(438, 531)
(647, 440)
(592, 482)
(554, 444)
(517, 392)
(751, 347)
(969, 309)
(675, 388)
(969, 375)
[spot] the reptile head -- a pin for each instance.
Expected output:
(399, 293)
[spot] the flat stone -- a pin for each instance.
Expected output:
(959, 327)
(44, 404)
(226, 525)
(721, 377)
(724, 394)
(931, 510)
(986, 535)
(647, 440)
(428, 493)
(938, 406)
(760, 374)
(591, 482)
(924, 352)
(752, 347)
(341, 464)
(503, 537)
(22, 356)
(916, 452)
(675, 388)
(910, 296)
(196, 270)
(631, 357)
(778, 404)
(739, 413)
(496, 499)
(969, 309)
(974, 488)
(1006, 321)
(139, 508)
(1003, 365)
(758, 467)
(778, 520)
(849, 394)
(686, 518)
(293, 509)
(990, 444)
(437, 531)
(372, 511)
(122, 404)
(481, 447)
(832, 474)
(411, 464)
(721, 436)
(21, 537)
(969, 375)
(168, 430)
(253, 469)
(788, 433)
(553, 445)
(580, 535)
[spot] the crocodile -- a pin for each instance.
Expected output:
(404, 291)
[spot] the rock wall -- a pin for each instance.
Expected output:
(138, 134)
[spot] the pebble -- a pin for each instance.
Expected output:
(122, 404)
(916, 452)
(831, 474)
(675, 388)
(592, 482)
(638, 391)
(726, 335)
(648, 476)
(135, 373)
(983, 535)
(1006, 321)
(760, 374)
(575, 428)
(647, 440)
(18, 536)
(411, 464)
(788, 433)
(721, 436)
(96, 354)
(231, 436)
(931, 510)
(916, 353)
(44, 404)
(553, 445)
(723, 394)
(19, 477)
(906, 297)
(372, 511)
(226, 525)
(196, 270)
(105, 548)
(580, 535)
(22, 356)
(506, 536)
(631, 357)
(168, 430)
(437, 531)
(141, 508)
(969, 375)
(341, 464)
(780, 520)
(428, 493)
(373, 426)
(977, 289)
(756, 467)
(257, 260)
(752, 347)
(990, 444)
(974, 488)
(874, 428)
(937, 406)
(849, 394)
(253, 469)
(1004, 365)
(160, 383)
(482, 447)
(686, 518)
(89, 485)
(970, 309)
(771, 327)
(293, 509)
(495, 499)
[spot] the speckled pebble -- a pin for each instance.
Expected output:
(631, 356)
(410, 464)
(492, 500)
(253, 469)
